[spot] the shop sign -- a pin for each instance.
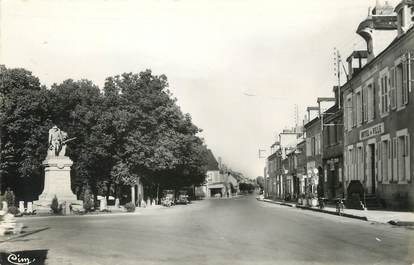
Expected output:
(371, 131)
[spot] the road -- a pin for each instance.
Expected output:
(221, 231)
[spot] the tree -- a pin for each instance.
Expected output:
(134, 131)
(24, 119)
(76, 108)
(156, 141)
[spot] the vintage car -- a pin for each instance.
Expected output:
(168, 198)
(182, 199)
(167, 202)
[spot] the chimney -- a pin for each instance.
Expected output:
(313, 112)
(378, 29)
(356, 61)
(405, 16)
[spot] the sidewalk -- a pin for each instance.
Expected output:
(380, 216)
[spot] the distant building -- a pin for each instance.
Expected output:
(220, 181)
(279, 183)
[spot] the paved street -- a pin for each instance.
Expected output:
(228, 231)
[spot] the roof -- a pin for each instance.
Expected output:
(310, 123)
(212, 163)
(376, 58)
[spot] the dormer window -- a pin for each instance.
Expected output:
(405, 11)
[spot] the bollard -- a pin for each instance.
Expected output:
(5, 207)
(21, 206)
(29, 207)
(102, 204)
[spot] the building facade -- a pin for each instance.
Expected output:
(313, 156)
(332, 155)
(378, 114)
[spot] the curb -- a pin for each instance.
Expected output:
(401, 223)
(363, 218)
(279, 203)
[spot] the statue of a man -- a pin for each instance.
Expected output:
(56, 140)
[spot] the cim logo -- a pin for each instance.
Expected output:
(18, 260)
(29, 257)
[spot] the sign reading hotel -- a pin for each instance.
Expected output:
(372, 131)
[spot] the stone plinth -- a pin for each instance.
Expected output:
(57, 182)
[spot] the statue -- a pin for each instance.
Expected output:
(57, 142)
(57, 180)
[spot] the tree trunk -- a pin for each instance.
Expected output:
(138, 192)
(108, 189)
(133, 194)
(158, 193)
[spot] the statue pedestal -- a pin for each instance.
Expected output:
(57, 183)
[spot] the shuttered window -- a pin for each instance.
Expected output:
(393, 92)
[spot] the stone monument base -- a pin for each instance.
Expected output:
(57, 183)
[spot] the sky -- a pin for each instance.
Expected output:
(238, 67)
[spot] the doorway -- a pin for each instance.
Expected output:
(371, 163)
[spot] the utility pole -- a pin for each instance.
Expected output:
(337, 70)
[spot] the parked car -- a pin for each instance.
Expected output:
(166, 201)
(182, 199)
(168, 198)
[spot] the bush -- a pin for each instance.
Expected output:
(130, 207)
(56, 208)
(9, 198)
(13, 210)
(88, 204)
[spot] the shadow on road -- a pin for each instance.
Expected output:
(24, 234)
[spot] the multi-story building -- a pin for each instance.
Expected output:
(291, 180)
(313, 155)
(332, 150)
(301, 170)
(379, 110)
(277, 176)
(273, 169)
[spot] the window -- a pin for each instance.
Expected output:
(308, 147)
(399, 84)
(350, 158)
(403, 79)
(313, 145)
(365, 103)
(370, 102)
(354, 110)
(394, 159)
(350, 167)
(318, 144)
(358, 107)
(403, 156)
(360, 163)
(384, 95)
(354, 164)
(385, 160)
(349, 112)
(327, 136)
(392, 91)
